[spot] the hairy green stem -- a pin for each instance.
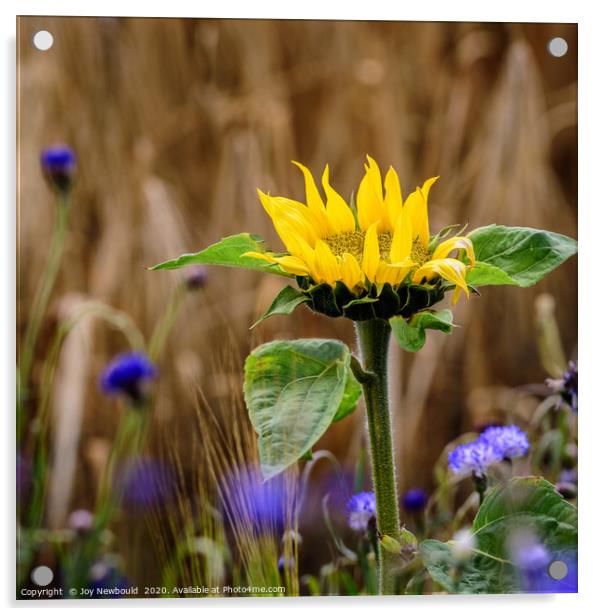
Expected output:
(373, 337)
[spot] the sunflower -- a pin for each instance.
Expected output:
(385, 240)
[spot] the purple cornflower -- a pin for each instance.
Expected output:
(414, 500)
(80, 520)
(284, 563)
(493, 445)
(508, 441)
(127, 374)
(248, 500)
(474, 457)
(59, 163)
(196, 278)
(106, 577)
(361, 509)
(145, 484)
(531, 557)
(566, 386)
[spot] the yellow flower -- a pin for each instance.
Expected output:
(385, 241)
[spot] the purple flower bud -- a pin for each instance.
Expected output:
(414, 500)
(196, 278)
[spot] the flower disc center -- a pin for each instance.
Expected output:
(353, 243)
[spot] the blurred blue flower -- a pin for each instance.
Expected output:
(509, 441)
(59, 163)
(250, 501)
(107, 577)
(531, 557)
(197, 277)
(414, 500)
(474, 457)
(545, 583)
(127, 374)
(80, 520)
(24, 477)
(284, 564)
(361, 508)
(567, 386)
(145, 484)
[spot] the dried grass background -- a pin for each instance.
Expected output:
(177, 122)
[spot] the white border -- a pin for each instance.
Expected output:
(590, 140)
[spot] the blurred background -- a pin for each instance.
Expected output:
(176, 122)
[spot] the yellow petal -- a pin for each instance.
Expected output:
(370, 204)
(337, 210)
(282, 210)
(351, 273)
(417, 204)
(371, 257)
(326, 265)
(373, 172)
(460, 242)
(450, 269)
(368, 209)
(426, 187)
(293, 242)
(401, 245)
(392, 196)
(315, 203)
(386, 273)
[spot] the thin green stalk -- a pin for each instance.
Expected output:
(128, 444)
(373, 336)
(38, 309)
(166, 322)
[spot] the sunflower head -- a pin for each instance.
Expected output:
(376, 259)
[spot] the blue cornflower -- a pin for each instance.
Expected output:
(106, 577)
(127, 374)
(414, 500)
(361, 509)
(145, 484)
(284, 563)
(59, 163)
(531, 557)
(197, 278)
(475, 457)
(567, 386)
(250, 501)
(509, 441)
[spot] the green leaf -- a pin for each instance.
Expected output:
(516, 255)
(352, 393)
(411, 335)
(284, 303)
(524, 504)
(228, 252)
(293, 389)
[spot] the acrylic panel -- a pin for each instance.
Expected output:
(297, 308)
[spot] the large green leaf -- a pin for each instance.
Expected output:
(516, 255)
(284, 303)
(524, 504)
(411, 334)
(228, 252)
(351, 394)
(293, 390)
